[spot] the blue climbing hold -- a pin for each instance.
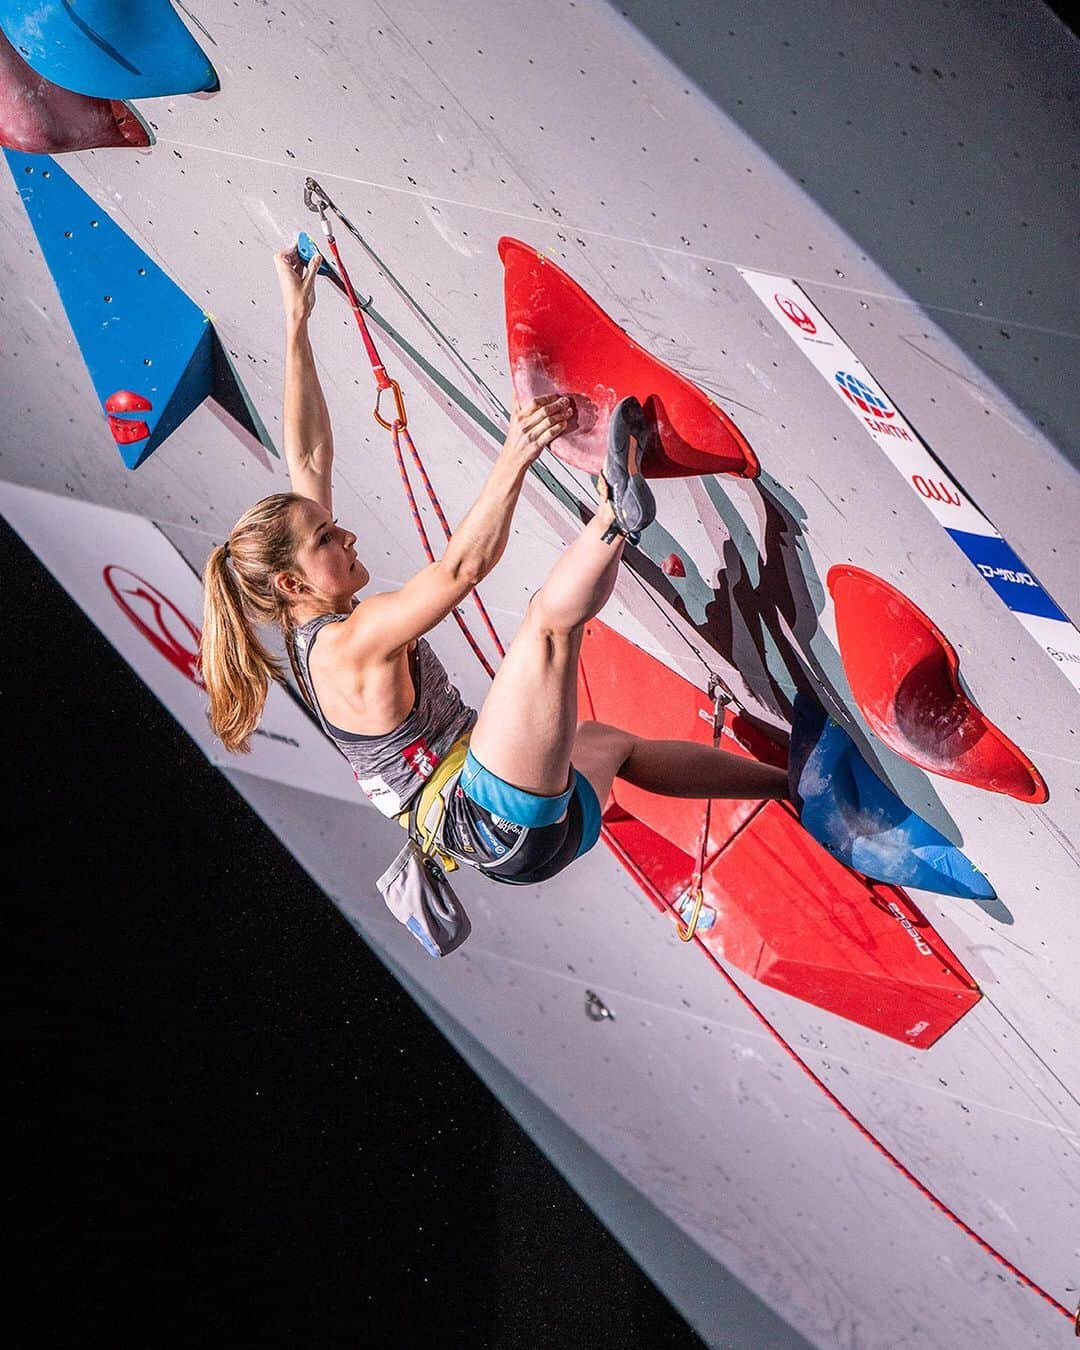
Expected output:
(152, 353)
(307, 248)
(115, 49)
(861, 821)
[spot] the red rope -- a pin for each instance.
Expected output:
(442, 521)
(848, 1115)
(400, 429)
(381, 377)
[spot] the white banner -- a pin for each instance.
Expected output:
(966, 525)
(142, 595)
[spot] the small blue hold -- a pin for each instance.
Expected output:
(307, 248)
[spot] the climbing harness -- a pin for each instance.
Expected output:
(721, 698)
(432, 798)
(317, 201)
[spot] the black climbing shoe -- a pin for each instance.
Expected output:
(622, 482)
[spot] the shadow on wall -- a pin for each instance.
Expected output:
(760, 614)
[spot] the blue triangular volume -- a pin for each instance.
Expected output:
(861, 821)
(108, 48)
(149, 349)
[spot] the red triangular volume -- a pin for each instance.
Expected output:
(904, 676)
(775, 903)
(560, 340)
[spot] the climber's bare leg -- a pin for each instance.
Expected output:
(527, 725)
(671, 768)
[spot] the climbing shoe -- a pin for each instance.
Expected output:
(622, 483)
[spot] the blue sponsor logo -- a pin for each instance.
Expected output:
(495, 848)
(1007, 574)
(864, 398)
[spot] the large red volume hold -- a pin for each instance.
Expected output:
(559, 340)
(904, 676)
(39, 118)
(775, 903)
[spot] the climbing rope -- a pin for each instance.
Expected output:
(845, 1111)
(448, 346)
(316, 200)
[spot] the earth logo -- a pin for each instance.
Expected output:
(863, 397)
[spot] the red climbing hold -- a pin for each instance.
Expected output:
(904, 676)
(672, 566)
(127, 431)
(559, 339)
(40, 118)
(774, 902)
(126, 401)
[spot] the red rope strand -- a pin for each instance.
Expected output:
(399, 430)
(446, 529)
(848, 1115)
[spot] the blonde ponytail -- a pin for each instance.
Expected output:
(239, 592)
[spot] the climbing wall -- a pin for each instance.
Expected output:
(862, 1189)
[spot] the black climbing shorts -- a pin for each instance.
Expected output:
(514, 836)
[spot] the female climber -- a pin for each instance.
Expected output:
(528, 782)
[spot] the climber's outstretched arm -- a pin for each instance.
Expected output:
(308, 437)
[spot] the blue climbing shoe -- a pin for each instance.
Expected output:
(622, 483)
(846, 807)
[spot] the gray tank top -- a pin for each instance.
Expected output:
(392, 768)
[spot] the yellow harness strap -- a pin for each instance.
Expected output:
(431, 798)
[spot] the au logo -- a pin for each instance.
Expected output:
(157, 619)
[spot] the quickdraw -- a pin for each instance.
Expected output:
(721, 698)
(316, 200)
(479, 384)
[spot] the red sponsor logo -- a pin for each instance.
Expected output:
(420, 758)
(935, 492)
(888, 429)
(795, 313)
(157, 619)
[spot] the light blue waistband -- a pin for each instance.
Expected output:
(511, 803)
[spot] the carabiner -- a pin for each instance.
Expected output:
(720, 694)
(687, 933)
(402, 420)
(315, 199)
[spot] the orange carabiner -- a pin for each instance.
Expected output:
(402, 419)
(686, 934)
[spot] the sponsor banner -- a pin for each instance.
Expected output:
(130, 581)
(1000, 566)
(966, 525)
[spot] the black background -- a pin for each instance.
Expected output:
(232, 1125)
